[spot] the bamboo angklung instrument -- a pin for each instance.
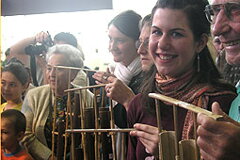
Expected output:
(84, 131)
(97, 129)
(186, 145)
(61, 148)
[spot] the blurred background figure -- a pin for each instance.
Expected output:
(39, 102)
(231, 73)
(15, 80)
(32, 52)
(13, 126)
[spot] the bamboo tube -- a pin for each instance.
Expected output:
(76, 123)
(187, 149)
(69, 110)
(87, 87)
(99, 130)
(82, 125)
(197, 155)
(185, 105)
(60, 140)
(175, 118)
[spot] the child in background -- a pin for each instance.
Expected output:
(14, 82)
(13, 126)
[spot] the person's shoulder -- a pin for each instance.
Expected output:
(24, 155)
(39, 89)
(2, 106)
(220, 89)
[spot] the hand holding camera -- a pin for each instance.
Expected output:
(43, 42)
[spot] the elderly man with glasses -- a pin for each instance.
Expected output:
(221, 139)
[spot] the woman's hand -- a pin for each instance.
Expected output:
(102, 77)
(148, 135)
(119, 91)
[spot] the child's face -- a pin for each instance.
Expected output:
(11, 87)
(9, 138)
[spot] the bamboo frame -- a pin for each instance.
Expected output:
(97, 131)
(69, 131)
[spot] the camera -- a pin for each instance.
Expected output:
(39, 48)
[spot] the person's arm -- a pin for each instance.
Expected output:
(18, 49)
(218, 139)
(34, 147)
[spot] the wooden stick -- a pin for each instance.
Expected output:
(99, 130)
(113, 136)
(75, 68)
(54, 116)
(96, 113)
(159, 124)
(185, 105)
(70, 68)
(69, 110)
(86, 87)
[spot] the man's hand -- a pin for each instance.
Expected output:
(218, 140)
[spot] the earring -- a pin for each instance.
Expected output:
(198, 63)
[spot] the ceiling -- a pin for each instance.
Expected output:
(25, 7)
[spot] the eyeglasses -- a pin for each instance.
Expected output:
(231, 9)
(140, 43)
